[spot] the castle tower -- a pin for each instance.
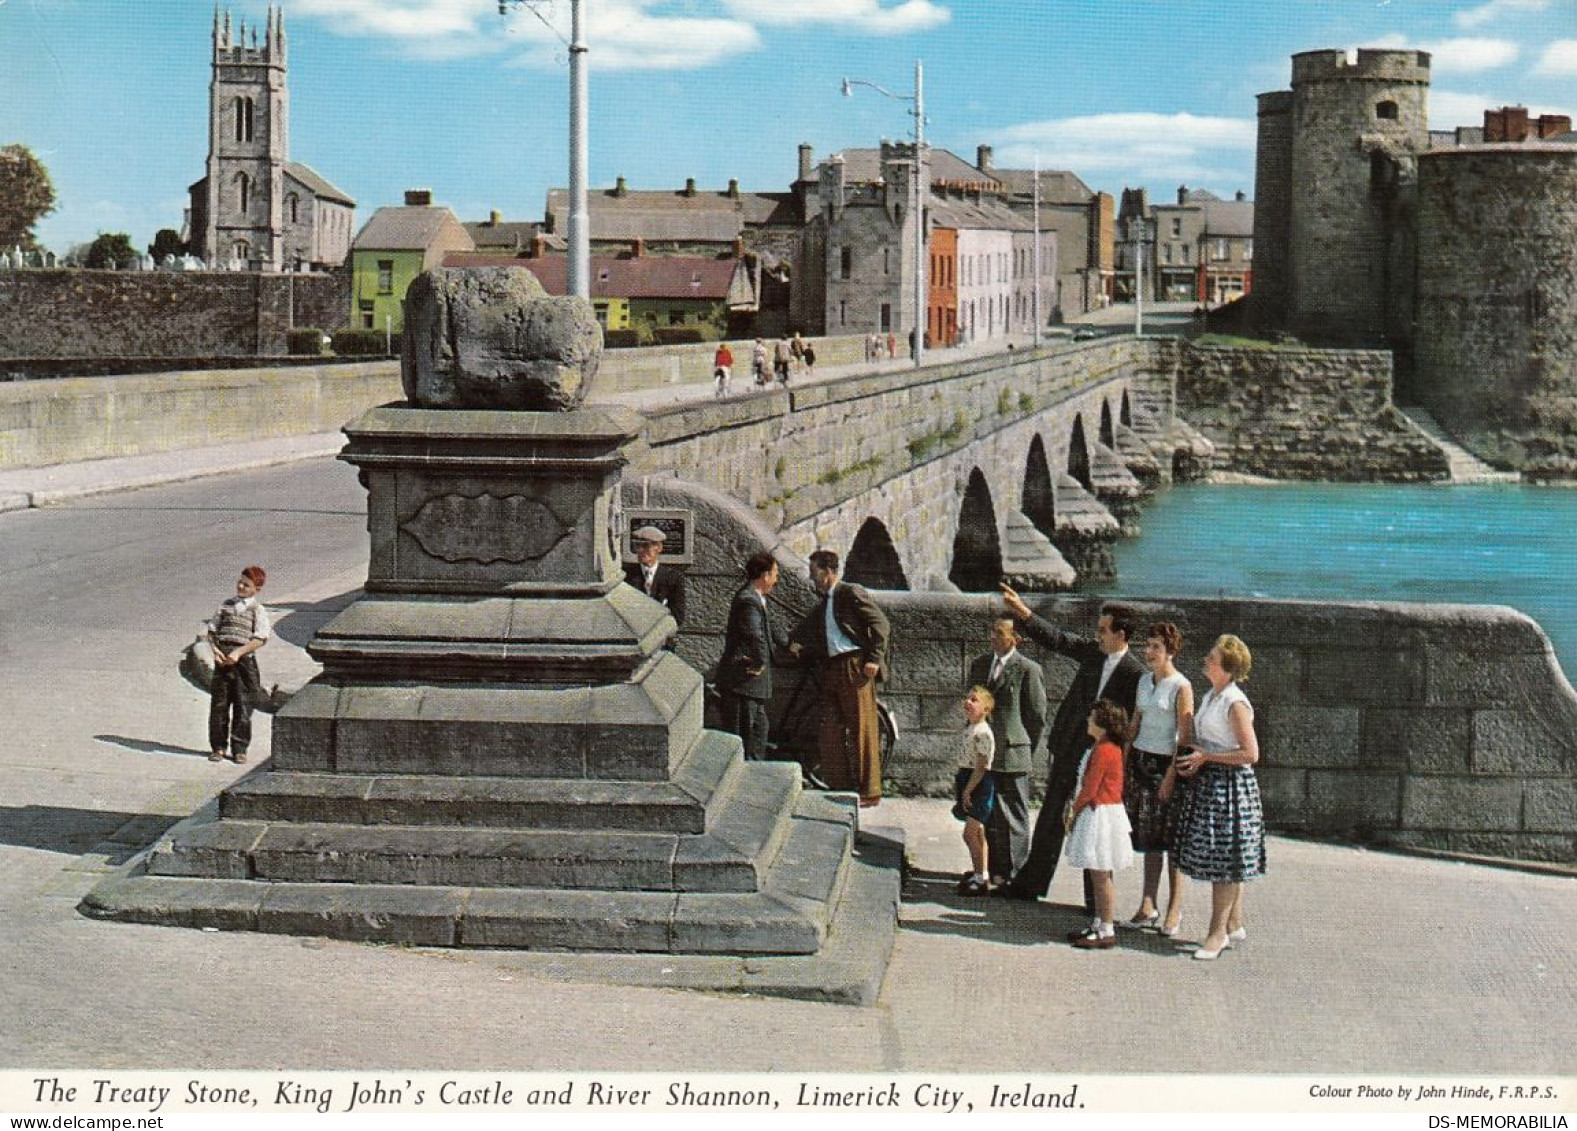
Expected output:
(1272, 209)
(248, 145)
(1357, 127)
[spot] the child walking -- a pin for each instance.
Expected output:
(238, 629)
(974, 789)
(1099, 835)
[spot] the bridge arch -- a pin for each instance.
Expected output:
(1079, 454)
(1126, 413)
(1108, 433)
(977, 548)
(873, 559)
(1039, 500)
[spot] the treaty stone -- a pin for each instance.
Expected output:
(492, 338)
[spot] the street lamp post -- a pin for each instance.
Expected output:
(579, 217)
(918, 191)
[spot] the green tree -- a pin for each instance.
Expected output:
(27, 195)
(111, 249)
(166, 242)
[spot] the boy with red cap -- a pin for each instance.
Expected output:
(238, 629)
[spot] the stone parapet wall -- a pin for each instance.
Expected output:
(81, 418)
(1303, 414)
(1448, 727)
(81, 313)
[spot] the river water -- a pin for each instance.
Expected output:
(1499, 544)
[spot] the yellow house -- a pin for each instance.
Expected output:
(396, 245)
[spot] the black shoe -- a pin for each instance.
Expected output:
(972, 887)
(1082, 933)
(1013, 891)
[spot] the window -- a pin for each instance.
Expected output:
(366, 309)
(601, 310)
(676, 318)
(1166, 253)
(887, 316)
(1222, 250)
(1386, 110)
(295, 208)
(887, 261)
(1177, 226)
(1185, 250)
(385, 276)
(1248, 249)
(846, 263)
(843, 312)
(243, 192)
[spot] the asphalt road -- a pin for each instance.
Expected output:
(1356, 962)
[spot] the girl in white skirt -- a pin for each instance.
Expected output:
(1099, 835)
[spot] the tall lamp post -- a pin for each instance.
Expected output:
(917, 206)
(1139, 236)
(579, 215)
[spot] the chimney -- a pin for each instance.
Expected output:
(689, 186)
(805, 162)
(739, 247)
(1182, 194)
(637, 247)
(418, 198)
(495, 218)
(983, 158)
(1552, 124)
(539, 246)
(733, 188)
(620, 188)
(1240, 196)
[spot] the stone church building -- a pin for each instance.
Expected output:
(257, 210)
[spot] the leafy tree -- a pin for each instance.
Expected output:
(111, 249)
(27, 195)
(166, 242)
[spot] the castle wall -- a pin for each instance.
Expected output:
(1357, 128)
(1496, 360)
(1272, 209)
(1304, 414)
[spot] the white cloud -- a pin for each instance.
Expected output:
(857, 15)
(1559, 58)
(1450, 109)
(1497, 10)
(625, 36)
(1468, 56)
(1140, 148)
(438, 29)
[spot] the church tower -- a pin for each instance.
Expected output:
(248, 146)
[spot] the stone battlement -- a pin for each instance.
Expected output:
(1371, 65)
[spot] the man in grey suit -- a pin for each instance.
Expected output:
(744, 674)
(1019, 687)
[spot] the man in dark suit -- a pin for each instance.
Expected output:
(846, 634)
(662, 583)
(1019, 718)
(1107, 670)
(744, 674)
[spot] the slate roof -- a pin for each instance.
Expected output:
(865, 165)
(407, 228)
(314, 182)
(952, 212)
(651, 276)
(1057, 186)
(509, 235)
(1229, 217)
(672, 216)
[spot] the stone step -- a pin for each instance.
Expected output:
(745, 829)
(803, 889)
(679, 806)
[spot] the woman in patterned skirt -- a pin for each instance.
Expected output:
(1221, 829)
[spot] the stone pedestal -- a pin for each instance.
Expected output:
(499, 751)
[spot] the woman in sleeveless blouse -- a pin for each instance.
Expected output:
(1163, 721)
(1221, 829)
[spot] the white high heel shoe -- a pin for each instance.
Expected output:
(1238, 935)
(1171, 932)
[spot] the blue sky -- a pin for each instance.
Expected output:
(448, 95)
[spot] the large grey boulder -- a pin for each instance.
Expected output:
(492, 338)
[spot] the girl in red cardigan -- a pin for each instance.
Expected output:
(1099, 835)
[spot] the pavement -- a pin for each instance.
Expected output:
(1356, 962)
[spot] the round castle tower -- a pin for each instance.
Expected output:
(1356, 129)
(1497, 298)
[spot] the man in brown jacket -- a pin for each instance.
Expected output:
(846, 635)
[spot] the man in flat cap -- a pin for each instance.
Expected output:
(662, 583)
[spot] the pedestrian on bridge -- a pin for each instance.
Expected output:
(236, 631)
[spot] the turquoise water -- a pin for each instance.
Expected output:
(1479, 545)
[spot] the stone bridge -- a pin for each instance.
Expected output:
(1025, 465)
